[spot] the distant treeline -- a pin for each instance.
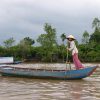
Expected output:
(50, 50)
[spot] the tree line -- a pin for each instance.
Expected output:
(50, 50)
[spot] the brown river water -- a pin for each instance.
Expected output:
(13, 88)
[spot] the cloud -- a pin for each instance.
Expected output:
(21, 18)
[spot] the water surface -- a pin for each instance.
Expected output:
(12, 88)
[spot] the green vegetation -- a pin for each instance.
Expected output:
(48, 42)
(49, 50)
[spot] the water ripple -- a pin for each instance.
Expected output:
(12, 88)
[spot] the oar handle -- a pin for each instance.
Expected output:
(67, 50)
(67, 55)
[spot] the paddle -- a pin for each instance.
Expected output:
(67, 59)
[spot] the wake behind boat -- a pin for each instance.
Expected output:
(46, 73)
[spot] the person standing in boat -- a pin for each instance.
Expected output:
(72, 47)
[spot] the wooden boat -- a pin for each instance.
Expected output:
(42, 73)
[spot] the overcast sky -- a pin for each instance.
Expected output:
(22, 18)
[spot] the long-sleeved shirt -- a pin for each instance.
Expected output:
(73, 47)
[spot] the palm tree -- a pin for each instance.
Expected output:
(63, 37)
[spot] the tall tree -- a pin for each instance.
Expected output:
(25, 47)
(48, 41)
(85, 37)
(9, 42)
(29, 40)
(95, 37)
(96, 23)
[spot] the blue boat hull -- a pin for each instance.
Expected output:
(41, 73)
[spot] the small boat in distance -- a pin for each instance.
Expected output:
(44, 73)
(8, 60)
